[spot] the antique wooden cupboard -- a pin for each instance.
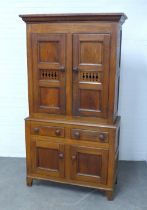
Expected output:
(72, 130)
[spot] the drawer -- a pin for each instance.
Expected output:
(90, 135)
(52, 131)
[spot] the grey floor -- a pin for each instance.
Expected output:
(130, 193)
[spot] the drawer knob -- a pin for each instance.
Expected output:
(36, 130)
(62, 68)
(77, 134)
(102, 136)
(58, 132)
(61, 155)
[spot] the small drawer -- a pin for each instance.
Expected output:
(90, 135)
(47, 131)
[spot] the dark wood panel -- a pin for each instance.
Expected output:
(47, 159)
(50, 97)
(90, 100)
(50, 48)
(91, 52)
(88, 164)
(49, 51)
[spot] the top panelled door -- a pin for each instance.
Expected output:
(90, 74)
(49, 73)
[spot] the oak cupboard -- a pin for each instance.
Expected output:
(72, 132)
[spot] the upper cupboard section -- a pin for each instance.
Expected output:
(73, 63)
(88, 71)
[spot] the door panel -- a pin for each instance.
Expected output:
(90, 51)
(49, 73)
(90, 74)
(48, 51)
(90, 99)
(93, 167)
(49, 97)
(48, 158)
(89, 164)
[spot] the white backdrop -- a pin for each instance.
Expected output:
(13, 71)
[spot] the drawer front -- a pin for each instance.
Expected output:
(52, 131)
(90, 135)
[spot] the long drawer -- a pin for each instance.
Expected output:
(90, 135)
(45, 130)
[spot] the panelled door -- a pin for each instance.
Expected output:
(90, 74)
(49, 73)
(48, 158)
(89, 164)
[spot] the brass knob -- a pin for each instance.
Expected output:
(73, 157)
(61, 155)
(77, 134)
(36, 130)
(58, 132)
(62, 68)
(75, 69)
(102, 136)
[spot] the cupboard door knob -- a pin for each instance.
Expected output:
(61, 155)
(58, 132)
(62, 68)
(102, 136)
(77, 134)
(36, 130)
(73, 157)
(75, 69)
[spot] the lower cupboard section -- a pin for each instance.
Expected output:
(83, 155)
(52, 160)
